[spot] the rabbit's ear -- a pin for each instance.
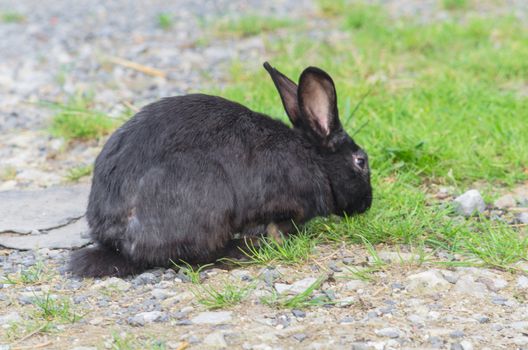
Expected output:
(288, 93)
(318, 102)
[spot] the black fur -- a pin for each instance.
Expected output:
(185, 173)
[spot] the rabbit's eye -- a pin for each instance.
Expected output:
(360, 162)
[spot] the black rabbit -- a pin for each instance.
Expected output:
(186, 173)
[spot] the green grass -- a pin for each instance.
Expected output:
(303, 300)
(250, 25)
(226, 296)
(49, 311)
(75, 174)
(35, 274)
(55, 309)
(11, 17)
(332, 8)
(17, 331)
(165, 21)
(455, 4)
(8, 173)
(126, 341)
(191, 272)
(78, 120)
(294, 249)
(445, 104)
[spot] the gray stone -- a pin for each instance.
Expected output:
(456, 346)
(430, 281)
(347, 320)
(506, 201)
(436, 342)
(332, 266)
(456, 334)
(450, 276)
(243, 275)
(348, 261)
(520, 340)
(497, 327)
(212, 317)
(416, 319)
(520, 325)
(298, 313)
(493, 285)
(360, 346)
(72, 235)
(522, 218)
(9, 318)
(169, 275)
(346, 301)
(295, 288)
(522, 282)
(466, 284)
(78, 299)
(469, 203)
(397, 286)
(145, 278)
(300, 336)
(160, 294)
(395, 257)
(112, 283)
(482, 318)
(29, 210)
(354, 285)
(215, 339)
(269, 276)
(148, 317)
(466, 345)
(499, 300)
(390, 332)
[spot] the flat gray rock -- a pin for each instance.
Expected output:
(49, 218)
(24, 211)
(74, 235)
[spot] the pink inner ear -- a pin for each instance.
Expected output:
(319, 104)
(320, 108)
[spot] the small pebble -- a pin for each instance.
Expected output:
(456, 334)
(300, 337)
(298, 313)
(388, 332)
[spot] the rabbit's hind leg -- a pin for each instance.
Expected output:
(181, 215)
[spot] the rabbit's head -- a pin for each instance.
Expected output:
(312, 109)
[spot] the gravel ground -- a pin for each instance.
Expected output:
(408, 302)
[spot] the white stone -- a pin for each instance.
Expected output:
(390, 332)
(522, 218)
(522, 282)
(416, 319)
(211, 317)
(215, 339)
(295, 288)
(430, 281)
(506, 201)
(152, 316)
(397, 257)
(354, 285)
(466, 284)
(345, 302)
(466, 345)
(469, 203)
(9, 318)
(113, 283)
